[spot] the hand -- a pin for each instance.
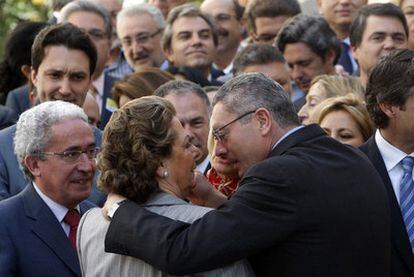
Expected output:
(204, 194)
(110, 200)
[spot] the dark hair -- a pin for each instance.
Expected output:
(181, 86)
(186, 10)
(312, 31)
(256, 54)
(390, 81)
(135, 140)
(63, 34)
(142, 82)
(250, 91)
(360, 21)
(270, 8)
(17, 53)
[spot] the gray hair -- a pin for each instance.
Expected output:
(138, 9)
(177, 87)
(251, 91)
(186, 10)
(87, 6)
(33, 129)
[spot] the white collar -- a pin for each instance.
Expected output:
(391, 155)
(57, 209)
(99, 84)
(203, 165)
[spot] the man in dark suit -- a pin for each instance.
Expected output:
(307, 205)
(56, 149)
(391, 106)
(19, 99)
(52, 83)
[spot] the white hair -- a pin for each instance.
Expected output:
(33, 128)
(138, 9)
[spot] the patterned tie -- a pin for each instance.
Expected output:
(72, 219)
(344, 59)
(407, 197)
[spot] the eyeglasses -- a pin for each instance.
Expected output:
(223, 17)
(96, 34)
(219, 135)
(72, 156)
(142, 38)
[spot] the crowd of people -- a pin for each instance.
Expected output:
(230, 138)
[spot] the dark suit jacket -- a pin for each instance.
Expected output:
(106, 109)
(18, 99)
(33, 242)
(402, 258)
(314, 207)
(7, 117)
(12, 180)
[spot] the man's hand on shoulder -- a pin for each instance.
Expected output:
(111, 205)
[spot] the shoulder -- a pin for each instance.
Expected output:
(175, 208)
(10, 208)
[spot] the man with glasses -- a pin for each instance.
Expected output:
(56, 149)
(140, 29)
(227, 15)
(96, 22)
(63, 61)
(266, 17)
(306, 205)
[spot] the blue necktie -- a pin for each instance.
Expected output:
(407, 197)
(344, 59)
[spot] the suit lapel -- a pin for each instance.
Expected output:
(398, 232)
(48, 229)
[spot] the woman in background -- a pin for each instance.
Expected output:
(138, 84)
(345, 119)
(327, 86)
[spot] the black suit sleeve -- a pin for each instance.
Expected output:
(261, 214)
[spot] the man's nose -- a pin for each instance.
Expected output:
(86, 164)
(65, 88)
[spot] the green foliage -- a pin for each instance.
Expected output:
(14, 11)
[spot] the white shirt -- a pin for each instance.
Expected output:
(99, 85)
(392, 157)
(203, 165)
(57, 209)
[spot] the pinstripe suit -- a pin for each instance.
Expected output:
(95, 262)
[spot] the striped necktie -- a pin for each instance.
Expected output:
(407, 197)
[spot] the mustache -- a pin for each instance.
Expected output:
(223, 33)
(140, 55)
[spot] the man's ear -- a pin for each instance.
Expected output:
(169, 54)
(263, 120)
(388, 109)
(330, 57)
(32, 164)
(25, 70)
(33, 77)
